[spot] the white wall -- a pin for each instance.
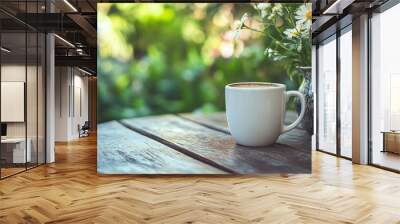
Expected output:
(62, 81)
(71, 94)
(80, 115)
(12, 73)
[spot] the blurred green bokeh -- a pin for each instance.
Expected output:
(170, 58)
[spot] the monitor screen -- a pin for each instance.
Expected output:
(3, 129)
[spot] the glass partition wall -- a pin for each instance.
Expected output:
(334, 94)
(345, 90)
(22, 77)
(334, 105)
(326, 90)
(385, 90)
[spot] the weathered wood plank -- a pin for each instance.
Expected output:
(216, 121)
(297, 138)
(216, 147)
(122, 151)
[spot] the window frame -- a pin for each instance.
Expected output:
(333, 37)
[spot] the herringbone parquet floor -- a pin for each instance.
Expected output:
(70, 191)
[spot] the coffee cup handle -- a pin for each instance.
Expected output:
(303, 108)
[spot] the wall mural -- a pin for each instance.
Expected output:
(204, 88)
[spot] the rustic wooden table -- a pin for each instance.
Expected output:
(194, 144)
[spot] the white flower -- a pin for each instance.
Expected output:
(277, 9)
(305, 32)
(263, 6)
(244, 18)
(299, 48)
(268, 52)
(237, 31)
(263, 13)
(293, 32)
(304, 16)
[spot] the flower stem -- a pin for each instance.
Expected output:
(277, 42)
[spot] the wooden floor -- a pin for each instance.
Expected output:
(386, 159)
(10, 171)
(70, 191)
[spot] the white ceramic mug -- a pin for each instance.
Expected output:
(256, 111)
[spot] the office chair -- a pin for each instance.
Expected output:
(84, 130)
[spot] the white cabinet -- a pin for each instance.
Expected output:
(18, 149)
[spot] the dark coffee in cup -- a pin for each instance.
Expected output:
(251, 85)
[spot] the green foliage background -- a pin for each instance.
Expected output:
(170, 58)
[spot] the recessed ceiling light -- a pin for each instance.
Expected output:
(64, 40)
(5, 50)
(70, 5)
(337, 7)
(84, 71)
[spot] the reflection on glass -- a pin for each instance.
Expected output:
(327, 97)
(31, 101)
(385, 84)
(22, 91)
(14, 153)
(41, 99)
(394, 102)
(346, 94)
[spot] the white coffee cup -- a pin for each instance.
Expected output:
(256, 112)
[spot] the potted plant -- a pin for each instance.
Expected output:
(286, 30)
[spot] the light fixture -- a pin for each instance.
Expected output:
(5, 50)
(337, 7)
(64, 40)
(70, 5)
(84, 71)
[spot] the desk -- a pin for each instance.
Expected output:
(17, 150)
(391, 141)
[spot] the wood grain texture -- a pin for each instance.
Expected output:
(298, 138)
(122, 151)
(216, 121)
(219, 149)
(70, 191)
